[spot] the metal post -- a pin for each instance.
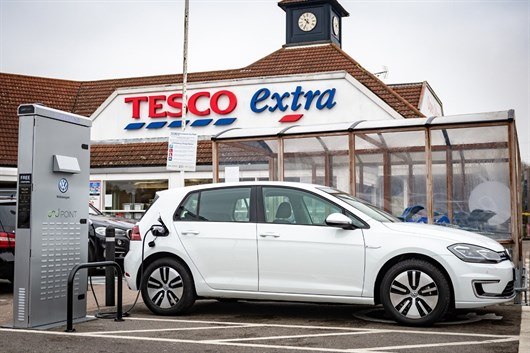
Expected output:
(110, 238)
(185, 78)
(70, 291)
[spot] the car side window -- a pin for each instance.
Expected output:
(319, 209)
(292, 206)
(225, 205)
(188, 209)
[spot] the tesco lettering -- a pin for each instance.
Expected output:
(200, 104)
(203, 104)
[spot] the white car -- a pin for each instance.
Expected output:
(301, 242)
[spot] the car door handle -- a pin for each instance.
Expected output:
(190, 232)
(269, 234)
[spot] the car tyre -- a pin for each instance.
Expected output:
(415, 292)
(167, 287)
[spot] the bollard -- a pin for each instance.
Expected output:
(110, 238)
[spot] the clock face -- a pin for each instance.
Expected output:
(336, 27)
(307, 21)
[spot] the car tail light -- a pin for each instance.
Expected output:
(135, 233)
(7, 240)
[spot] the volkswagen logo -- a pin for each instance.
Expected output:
(63, 185)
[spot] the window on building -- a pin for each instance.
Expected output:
(130, 198)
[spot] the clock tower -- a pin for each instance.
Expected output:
(313, 21)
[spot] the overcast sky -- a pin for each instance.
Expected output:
(475, 54)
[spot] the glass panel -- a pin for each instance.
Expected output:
(471, 179)
(255, 159)
(391, 172)
(188, 210)
(224, 205)
(317, 160)
(291, 206)
(130, 198)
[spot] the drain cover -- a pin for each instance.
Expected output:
(379, 315)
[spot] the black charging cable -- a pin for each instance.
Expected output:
(126, 313)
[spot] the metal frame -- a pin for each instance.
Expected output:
(431, 125)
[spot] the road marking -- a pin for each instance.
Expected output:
(291, 336)
(328, 328)
(167, 329)
(238, 342)
(524, 343)
(448, 344)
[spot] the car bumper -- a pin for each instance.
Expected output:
(131, 265)
(479, 285)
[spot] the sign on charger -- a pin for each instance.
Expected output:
(182, 151)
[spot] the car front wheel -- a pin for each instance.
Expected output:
(167, 287)
(415, 292)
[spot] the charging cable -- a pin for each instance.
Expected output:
(126, 313)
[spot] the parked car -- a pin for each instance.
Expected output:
(98, 223)
(301, 242)
(7, 237)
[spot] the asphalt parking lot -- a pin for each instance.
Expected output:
(245, 326)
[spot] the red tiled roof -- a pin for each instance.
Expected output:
(146, 154)
(85, 97)
(285, 61)
(409, 91)
(18, 89)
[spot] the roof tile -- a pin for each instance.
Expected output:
(84, 98)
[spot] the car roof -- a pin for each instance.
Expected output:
(187, 189)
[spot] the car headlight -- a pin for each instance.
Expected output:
(474, 253)
(117, 231)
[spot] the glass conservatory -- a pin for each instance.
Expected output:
(456, 171)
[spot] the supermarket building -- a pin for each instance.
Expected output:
(405, 157)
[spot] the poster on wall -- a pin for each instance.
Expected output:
(95, 193)
(182, 151)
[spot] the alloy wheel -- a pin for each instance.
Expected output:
(414, 294)
(165, 287)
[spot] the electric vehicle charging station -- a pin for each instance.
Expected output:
(52, 215)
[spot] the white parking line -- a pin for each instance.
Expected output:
(524, 343)
(244, 342)
(329, 328)
(291, 336)
(168, 329)
(448, 344)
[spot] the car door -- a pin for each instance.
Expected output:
(218, 230)
(299, 253)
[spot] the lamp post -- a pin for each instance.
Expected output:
(185, 77)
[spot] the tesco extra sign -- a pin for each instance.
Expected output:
(218, 107)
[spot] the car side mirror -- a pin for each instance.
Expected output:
(340, 221)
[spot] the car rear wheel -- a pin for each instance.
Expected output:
(167, 287)
(415, 292)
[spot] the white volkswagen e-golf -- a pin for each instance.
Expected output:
(301, 242)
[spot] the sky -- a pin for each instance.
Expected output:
(475, 54)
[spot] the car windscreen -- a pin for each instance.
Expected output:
(7, 217)
(362, 206)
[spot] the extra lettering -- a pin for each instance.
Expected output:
(263, 100)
